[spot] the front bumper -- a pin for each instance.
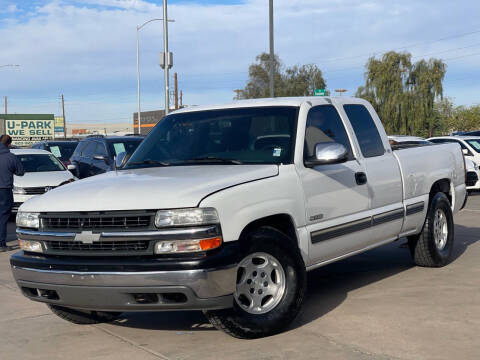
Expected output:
(147, 291)
(129, 284)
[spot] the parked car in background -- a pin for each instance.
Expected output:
(472, 178)
(470, 145)
(63, 150)
(471, 133)
(94, 155)
(43, 172)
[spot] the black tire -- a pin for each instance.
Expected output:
(241, 324)
(423, 247)
(82, 317)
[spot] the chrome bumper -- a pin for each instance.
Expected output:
(125, 291)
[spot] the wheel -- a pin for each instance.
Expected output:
(82, 317)
(434, 245)
(271, 282)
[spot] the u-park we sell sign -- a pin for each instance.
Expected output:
(28, 129)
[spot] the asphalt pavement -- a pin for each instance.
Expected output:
(376, 305)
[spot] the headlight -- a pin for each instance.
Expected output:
(185, 217)
(28, 220)
(19, 190)
(30, 245)
(186, 246)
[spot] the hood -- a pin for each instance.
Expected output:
(39, 179)
(147, 189)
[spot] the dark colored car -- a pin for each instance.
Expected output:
(62, 150)
(471, 133)
(94, 155)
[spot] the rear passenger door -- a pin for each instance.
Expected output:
(384, 180)
(337, 204)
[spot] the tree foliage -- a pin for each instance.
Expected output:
(291, 81)
(404, 93)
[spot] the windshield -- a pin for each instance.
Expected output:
(260, 135)
(127, 146)
(62, 151)
(475, 144)
(40, 163)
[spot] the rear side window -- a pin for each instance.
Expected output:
(366, 131)
(324, 125)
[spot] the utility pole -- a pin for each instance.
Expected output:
(175, 78)
(166, 56)
(6, 112)
(64, 120)
(181, 98)
(272, 53)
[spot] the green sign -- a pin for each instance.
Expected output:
(320, 92)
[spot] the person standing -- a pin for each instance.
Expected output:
(9, 166)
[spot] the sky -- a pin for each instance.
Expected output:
(86, 49)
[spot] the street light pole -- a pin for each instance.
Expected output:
(139, 120)
(166, 57)
(138, 73)
(272, 54)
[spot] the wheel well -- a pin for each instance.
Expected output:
(443, 186)
(281, 222)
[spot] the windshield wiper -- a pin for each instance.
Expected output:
(150, 162)
(216, 159)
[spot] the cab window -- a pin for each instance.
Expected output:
(365, 130)
(324, 125)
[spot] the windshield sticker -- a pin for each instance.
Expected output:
(55, 150)
(119, 148)
(277, 152)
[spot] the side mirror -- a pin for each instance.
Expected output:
(101, 158)
(466, 152)
(72, 167)
(121, 160)
(327, 153)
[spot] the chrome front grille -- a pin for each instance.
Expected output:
(97, 222)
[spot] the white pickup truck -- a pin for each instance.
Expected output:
(225, 208)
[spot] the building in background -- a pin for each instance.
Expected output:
(27, 129)
(85, 129)
(148, 120)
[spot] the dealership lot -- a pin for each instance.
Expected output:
(376, 305)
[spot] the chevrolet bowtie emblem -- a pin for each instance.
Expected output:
(87, 237)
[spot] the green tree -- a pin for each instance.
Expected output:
(404, 93)
(292, 81)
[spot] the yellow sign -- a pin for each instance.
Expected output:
(59, 121)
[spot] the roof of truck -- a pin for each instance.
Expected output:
(280, 101)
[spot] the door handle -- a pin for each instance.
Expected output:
(361, 178)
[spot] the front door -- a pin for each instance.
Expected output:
(337, 200)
